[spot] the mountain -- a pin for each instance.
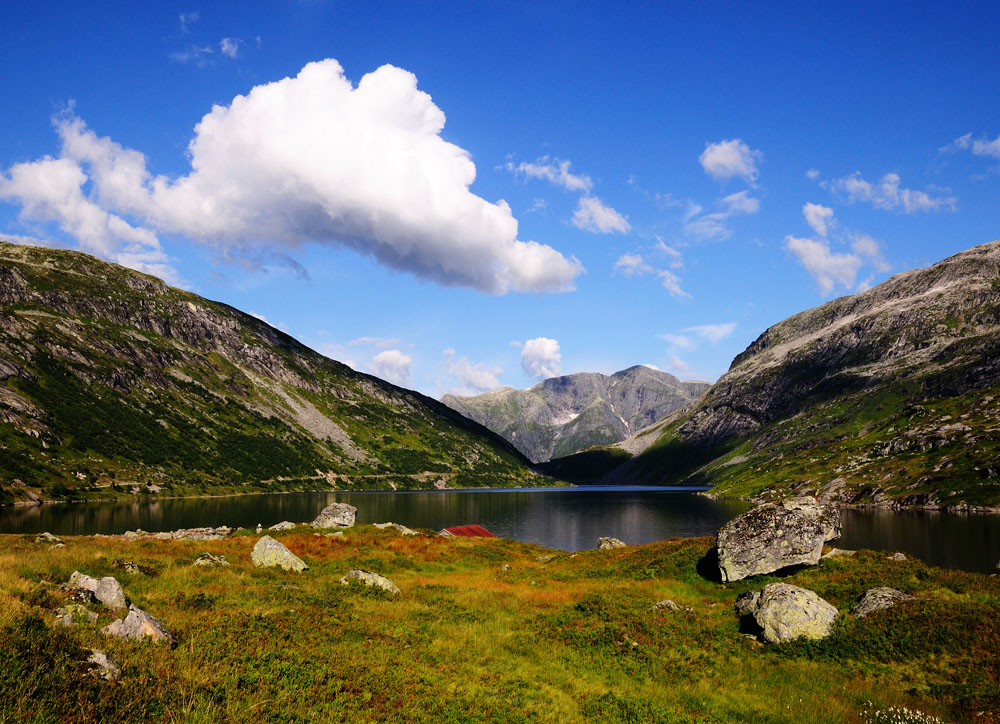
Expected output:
(888, 397)
(111, 381)
(561, 415)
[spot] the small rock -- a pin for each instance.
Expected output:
(107, 590)
(370, 579)
(604, 544)
(283, 525)
(505, 567)
(127, 566)
(336, 515)
(670, 606)
(397, 526)
(74, 613)
(773, 536)
(786, 613)
(106, 668)
(837, 553)
(897, 557)
(49, 539)
(139, 625)
(875, 599)
(268, 553)
(208, 560)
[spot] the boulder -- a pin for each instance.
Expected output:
(667, 604)
(897, 557)
(49, 539)
(139, 625)
(746, 603)
(269, 553)
(786, 613)
(74, 613)
(283, 525)
(107, 590)
(875, 599)
(775, 535)
(396, 526)
(370, 579)
(336, 515)
(103, 666)
(604, 544)
(207, 560)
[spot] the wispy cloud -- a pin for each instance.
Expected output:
(473, 377)
(594, 215)
(554, 171)
(887, 194)
(633, 265)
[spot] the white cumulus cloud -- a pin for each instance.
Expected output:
(818, 217)
(887, 194)
(541, 358)
(728, 159)
(474, 377)
(392, 365)
(828, 268)
(316, 159)
(594, 215)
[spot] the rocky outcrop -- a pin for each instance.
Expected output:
(208, 560)
(605, 543)
(787, 613)
(50, 540)
(139, 625)
(218, 533)
(106, 590)
(269, 553)
(74, 613)
(336, 515)
(561, 415)
(370, 579)
(876, 599)
(776, 535)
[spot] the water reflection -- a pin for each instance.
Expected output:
(568, 519)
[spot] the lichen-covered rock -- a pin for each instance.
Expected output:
(49, 539)
(875, 599)
(104, 667)
(74, 613)
(139, 625)
(604, 544)
(107, 590)
(269, 553)
(396, 526)
(668, 605)
(746, 603)
(336, 515)
(207, 560)
(786, 613)
(775, 535)
(370, 579)
(283, 525)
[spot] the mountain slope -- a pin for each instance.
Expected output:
(887, 397)
(561, 415)
(109, 380)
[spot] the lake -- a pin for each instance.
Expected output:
(569, 519)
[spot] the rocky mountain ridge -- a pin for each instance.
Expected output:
(112, 381)
(887, 397)
(561, 415)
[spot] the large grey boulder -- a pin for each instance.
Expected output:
(107, 590)
(775, 535)
(605, 544)
(786, 613)
(269, 553)
(370, 579)
(336, 515)
(875, 599)
(139, 625)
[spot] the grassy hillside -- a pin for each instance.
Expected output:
(486, 631)
(112, 382)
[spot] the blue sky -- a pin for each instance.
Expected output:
(457, 196)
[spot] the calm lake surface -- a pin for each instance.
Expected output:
(566, 518)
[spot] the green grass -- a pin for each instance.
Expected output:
(553, 637)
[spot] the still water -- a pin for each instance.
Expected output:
(567, 518)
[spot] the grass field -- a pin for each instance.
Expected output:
(485, 631)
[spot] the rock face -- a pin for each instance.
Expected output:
(336, 515)
(84, 339)
(107, 590)
(786, 613)
(604, 544)
(875, 599)
(139, 625)
(775, 535)
(370, 579)
(562, 415)
(891, 362)
(269, 553)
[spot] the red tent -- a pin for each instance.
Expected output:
(467, 531)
